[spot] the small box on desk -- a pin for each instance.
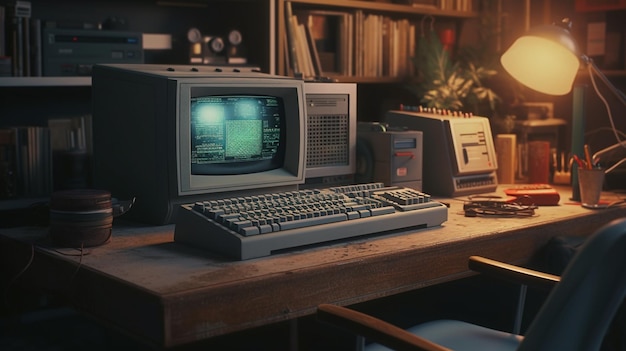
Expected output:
(506, 147)
(393, 157)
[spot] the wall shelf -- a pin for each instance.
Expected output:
(32, 82)
(384, 7)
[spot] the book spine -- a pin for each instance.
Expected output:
(7, 164)
(36, 59)
(3, 26)
(291, 39)
(17, 17)
(15, 43)
(26, 46)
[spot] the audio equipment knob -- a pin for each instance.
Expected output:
(235, 37)
(194, 35)
(216, 44)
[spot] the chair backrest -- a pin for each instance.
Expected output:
(579, 311)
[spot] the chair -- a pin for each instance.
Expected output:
(575, 316)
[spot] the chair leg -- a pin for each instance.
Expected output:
(520, 309)
(360, 343)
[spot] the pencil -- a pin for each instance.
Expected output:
(588, 157)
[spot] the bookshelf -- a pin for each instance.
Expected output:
(37, 102)
(385, 12)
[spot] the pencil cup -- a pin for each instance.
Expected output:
(590, 182)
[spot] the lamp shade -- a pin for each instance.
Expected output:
(546, 59)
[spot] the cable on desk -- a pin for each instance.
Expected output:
(19, 274)
(80, 263)
(82, 252)
(475, 208)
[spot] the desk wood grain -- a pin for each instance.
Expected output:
(170, 294)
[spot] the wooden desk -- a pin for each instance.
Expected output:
(170, 294)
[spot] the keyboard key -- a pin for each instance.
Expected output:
(312, 221)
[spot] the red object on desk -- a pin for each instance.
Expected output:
(538, 194)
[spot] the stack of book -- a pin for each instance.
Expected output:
(26, 162)
(383, 46)
(348, 43)
(20, 41)
(27, 155)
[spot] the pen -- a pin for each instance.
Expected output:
(588, 157)
(578, 161)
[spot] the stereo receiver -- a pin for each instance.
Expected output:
(73, 52)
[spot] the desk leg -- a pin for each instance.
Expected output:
(293, 334)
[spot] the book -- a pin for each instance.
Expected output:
(2, 31)
(333, 36)
(304, 53)
(7, 164)
(17, 15)
(317, 65)
(36, 58)
(26, 46)
(15, 45)
(31, 160)
(292, 45)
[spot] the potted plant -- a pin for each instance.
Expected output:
(442, 82)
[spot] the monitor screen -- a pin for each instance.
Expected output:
(235, 134)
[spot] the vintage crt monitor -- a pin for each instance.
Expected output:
(459, 154)
(174, 134)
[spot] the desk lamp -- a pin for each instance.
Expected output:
(547, 60)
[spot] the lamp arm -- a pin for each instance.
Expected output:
(593, 69)
(599, 154)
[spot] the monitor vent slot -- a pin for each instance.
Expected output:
(321, 102)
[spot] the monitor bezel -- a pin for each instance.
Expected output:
(292, 170)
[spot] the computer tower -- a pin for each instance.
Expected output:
(331, 133)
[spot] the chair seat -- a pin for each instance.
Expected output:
(462, 336)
